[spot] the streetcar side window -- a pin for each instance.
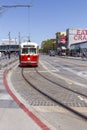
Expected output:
(24, 50)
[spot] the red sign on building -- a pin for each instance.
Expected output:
(63, 39)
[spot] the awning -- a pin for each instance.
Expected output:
(63, 47)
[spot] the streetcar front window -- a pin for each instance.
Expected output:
(32, 50)
(24, 50)
(28, 50)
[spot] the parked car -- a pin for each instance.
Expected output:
(52, 53)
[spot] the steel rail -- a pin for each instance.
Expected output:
(81, 115)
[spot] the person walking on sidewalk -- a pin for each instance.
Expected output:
(83, 55)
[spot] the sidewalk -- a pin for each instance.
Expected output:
(14, 115)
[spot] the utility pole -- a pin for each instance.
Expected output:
(9, 38)
(9, 45)
(19, 38)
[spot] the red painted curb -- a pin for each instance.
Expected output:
(22, 106)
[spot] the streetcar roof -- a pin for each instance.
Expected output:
(29, 43)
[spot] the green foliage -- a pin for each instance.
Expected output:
(49, 45)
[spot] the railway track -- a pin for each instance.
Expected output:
(57, 93)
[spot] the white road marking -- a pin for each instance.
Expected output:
(82, 74)
(5, 97)
(64, 78)
(82, 99)
(52, 67)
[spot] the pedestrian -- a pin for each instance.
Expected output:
(0, 54)
(83, 55)
(9, 55)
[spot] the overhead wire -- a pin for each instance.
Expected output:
(3, 8)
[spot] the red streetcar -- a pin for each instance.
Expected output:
(29, 54)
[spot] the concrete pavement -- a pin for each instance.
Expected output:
(14, 115)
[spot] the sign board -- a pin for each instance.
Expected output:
(76, 35)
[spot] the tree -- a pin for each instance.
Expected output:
(49, 45)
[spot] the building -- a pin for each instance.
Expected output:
(61, 42)
(75, 36)
(77, 40)
(61, 39)
(9, 45)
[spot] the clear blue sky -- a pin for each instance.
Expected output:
(43, 19)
